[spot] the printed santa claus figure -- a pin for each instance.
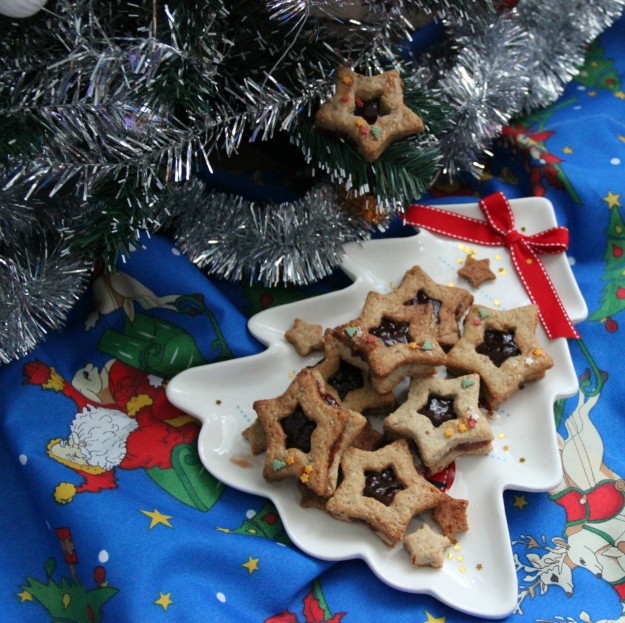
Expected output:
(123, 420)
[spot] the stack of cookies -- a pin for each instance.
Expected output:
(460, 361)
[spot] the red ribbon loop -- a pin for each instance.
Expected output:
(498, 230)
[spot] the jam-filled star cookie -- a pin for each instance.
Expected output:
(443, 419)
(369, 110)
(425, 547)
(501, 347)
(351, 383)
(382, 489)
(307, 430)
(449, 304)
(391, 341)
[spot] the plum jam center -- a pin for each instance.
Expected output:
(438, 409)
(298, 430)
(369, 110)
(421, 298)
(346, 379)
(382, 486)
(498, 346)
(391, 331)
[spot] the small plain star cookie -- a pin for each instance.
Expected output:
(425, 547)
(476, 272)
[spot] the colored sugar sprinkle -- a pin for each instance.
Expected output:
(278, 465)
(377, 132)
(468, 383)
(351, 331)
(427, 345)
(484, 313)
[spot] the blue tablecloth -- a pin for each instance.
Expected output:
(153, 537)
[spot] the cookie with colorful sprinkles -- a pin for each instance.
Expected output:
(369, 110)
(351, 382)
(448, 303)
(307, 430)
(442, 417)
(501, 347)
(392, 341)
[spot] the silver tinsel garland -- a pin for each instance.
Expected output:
(490, 67)
(293, 242)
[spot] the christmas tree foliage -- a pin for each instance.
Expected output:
(613, 291)
(122, 118)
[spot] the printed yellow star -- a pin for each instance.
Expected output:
(519, 502)
(613, 199)
(567, 150)
(251, 565)
(620, 94)
(25, 596)
(164, 600)
(157, 518)
(433, 619)
(620, 137)
(226, 530)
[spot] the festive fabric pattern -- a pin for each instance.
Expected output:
(109, 516)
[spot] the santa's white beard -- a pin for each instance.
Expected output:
(102, 434)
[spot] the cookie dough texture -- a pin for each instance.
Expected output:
(395, 121)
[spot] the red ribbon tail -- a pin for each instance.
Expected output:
(542, 292)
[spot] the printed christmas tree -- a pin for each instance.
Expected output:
(599, 72)
(613, 292)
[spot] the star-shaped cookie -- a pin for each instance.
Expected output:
(476, 271)
(426, 548)
(307, 431)
(305, 336)
(392, 341)
(349, 111)
(448, 303)
(443, 419)
(501, 347)
(383, 489)
(351, 383)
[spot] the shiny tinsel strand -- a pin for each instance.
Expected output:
(40, 285)
(298, 242)
(507, 64)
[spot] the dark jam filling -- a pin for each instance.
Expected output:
(439, 409)
(298, 430)
(382, 486)
(346, 379)
(369, 110)
(498, 346)
(391, 332)
(330, 400)
(421, 298)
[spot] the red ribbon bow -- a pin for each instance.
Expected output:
(498, 230)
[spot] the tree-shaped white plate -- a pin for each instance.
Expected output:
(479, 576)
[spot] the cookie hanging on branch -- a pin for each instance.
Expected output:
(369, 110)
